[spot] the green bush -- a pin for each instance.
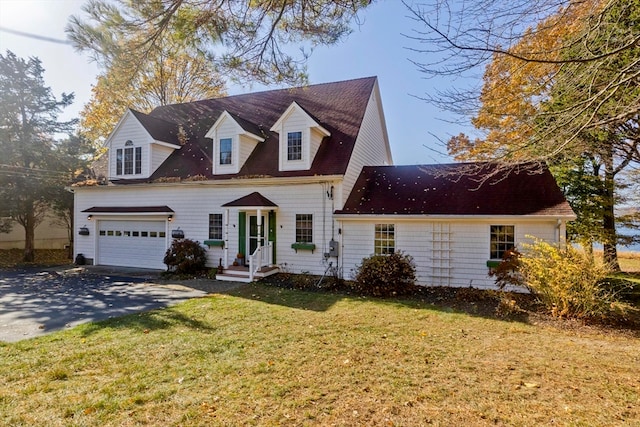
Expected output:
(185, 257)
(569, 282)
(385, 275)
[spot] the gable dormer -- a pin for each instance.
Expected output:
(300, 138)
(139, 144)
(233, 142)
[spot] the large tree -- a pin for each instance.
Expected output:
(173, 73)
(249, 40)
(580, 116)
(460, 37)
(29, 174)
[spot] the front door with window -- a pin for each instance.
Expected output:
(252, 234)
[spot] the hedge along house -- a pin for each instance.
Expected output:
(295, 180)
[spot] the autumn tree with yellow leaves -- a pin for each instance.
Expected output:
(565, 91)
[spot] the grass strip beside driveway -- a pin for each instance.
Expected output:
(270, 356)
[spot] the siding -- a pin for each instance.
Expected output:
(193, 204)
(159, 154)
(297, 121)
(48, 235)
(130, 129)
(371, 145)
(226, 129)
(247, 145)
(450, 253)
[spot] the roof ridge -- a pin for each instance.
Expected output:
(149, 116)
(287, 89)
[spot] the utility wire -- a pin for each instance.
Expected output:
(34, 36)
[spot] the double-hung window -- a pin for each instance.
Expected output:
(384, 242)
(215, 226)
(304, 228)
(294, 146)
(129, 161)
(502, 239)
(226, 150)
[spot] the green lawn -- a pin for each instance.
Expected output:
(269, 356)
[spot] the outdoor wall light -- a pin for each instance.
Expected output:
(170, 218)
(84, 231)
(89, 217)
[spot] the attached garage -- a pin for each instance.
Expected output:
(131, 236)
(132, 243)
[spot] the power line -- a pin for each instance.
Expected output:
(34, 36)
(28, 171)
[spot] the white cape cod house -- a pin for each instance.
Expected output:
(299, 180)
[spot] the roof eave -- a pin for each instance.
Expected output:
(413, 217)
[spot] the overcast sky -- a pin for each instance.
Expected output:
(375, 48)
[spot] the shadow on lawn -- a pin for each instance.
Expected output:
(468, 301)
(158, 319)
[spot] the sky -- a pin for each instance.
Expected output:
(377, 47)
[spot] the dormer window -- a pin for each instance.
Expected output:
(233, 142)
(129, 160)
(294, 146)
(226, 151)
(300, 138)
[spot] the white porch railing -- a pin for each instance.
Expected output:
(262, 257)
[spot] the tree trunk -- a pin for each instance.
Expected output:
(609, 219)
(29, 236)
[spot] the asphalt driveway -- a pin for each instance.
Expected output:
(37, 301)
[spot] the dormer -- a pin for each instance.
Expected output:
(139, 144)
(300, 138)
(233, 141)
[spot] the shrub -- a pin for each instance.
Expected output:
(185, 256)
(507, 272)
(569, 282)
(385, 275)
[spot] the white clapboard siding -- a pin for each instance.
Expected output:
(130, 129)
(298, 121)
(193, 203)
(372, 145)
(446, 253)
(159, 154)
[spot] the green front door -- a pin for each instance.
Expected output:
(253, 232)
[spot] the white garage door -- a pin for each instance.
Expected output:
(132, 243)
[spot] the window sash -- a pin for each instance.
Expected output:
(304, 228)
(138, 160)
(502, 239)
(215, 226)
(128, 161)
(226, 150)
(294, 146)
(384, 241)
(119, 161)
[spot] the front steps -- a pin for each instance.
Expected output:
(241, 274)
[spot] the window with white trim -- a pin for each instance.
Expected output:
(294, 146)
(215, 226)
(304, 228)
(226, 151)
(502, 239)
(129, 161)
(384, 242)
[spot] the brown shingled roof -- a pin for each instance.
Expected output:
(456, 189)
(159, 129)
(339, 107)
(251, 200)
(129, 209)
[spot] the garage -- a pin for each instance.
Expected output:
(132, 243)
